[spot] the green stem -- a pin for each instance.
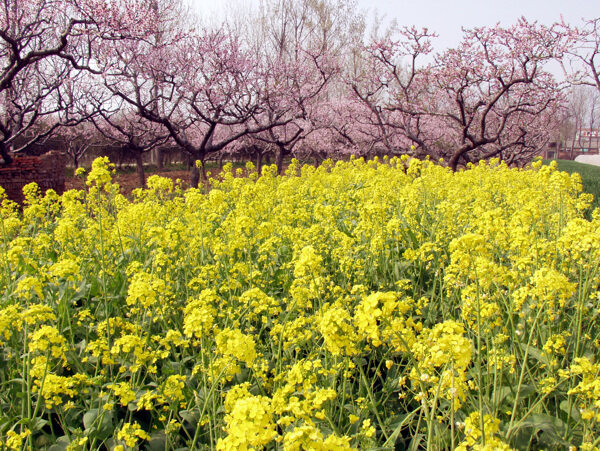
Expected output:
(522, 375)
(373, 405)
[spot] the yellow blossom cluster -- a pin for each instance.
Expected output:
(383, 304)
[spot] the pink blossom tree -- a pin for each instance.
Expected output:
(41, 43)
(295, 94)
(489, 97)
(581, 68)
(392, 88)
(303, 46)
(500, 100)
(581, 60)
(212, 92)
(78, 140)
(130, 133)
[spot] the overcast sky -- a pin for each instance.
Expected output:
(446, 17)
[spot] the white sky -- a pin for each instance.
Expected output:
(446, 17)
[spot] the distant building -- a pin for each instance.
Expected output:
(588, 133)
(585, 142)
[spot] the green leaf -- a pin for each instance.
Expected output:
(191, 416)
(61, 444)
(34, 424)
(564, 406)
(98, 422)
(507, 393)
(416, 442)
(534, 352)
(157, 442)
(397, 423)
(89, 418)
(551, 428)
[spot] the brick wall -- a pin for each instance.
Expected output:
(47, 170)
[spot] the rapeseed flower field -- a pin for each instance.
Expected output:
(386, 304)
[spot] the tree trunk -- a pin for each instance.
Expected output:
(160, 158)
(194, 177)
(463, 153)
(120, 158)
(453, 163)
(259, 157)
(279, 161)
(4, 153)
(140, 168)
(203, 160)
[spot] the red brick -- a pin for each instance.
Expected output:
(47, 170)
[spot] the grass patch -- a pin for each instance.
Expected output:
(590, 176)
